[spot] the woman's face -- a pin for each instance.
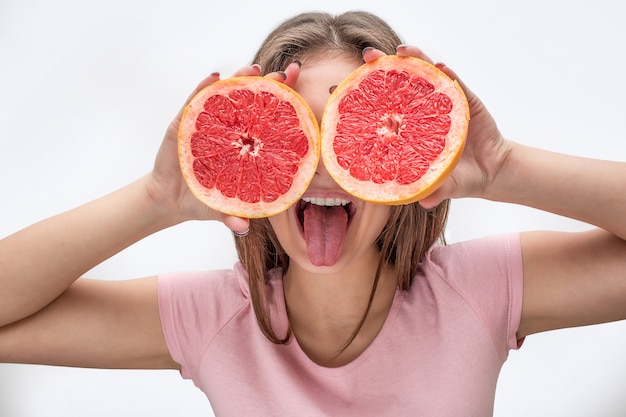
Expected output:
(328, 228)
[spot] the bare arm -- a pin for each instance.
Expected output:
(40, 262)
(49, 318)
(93, 324)
(570, 279)
(48, 315)
(592, 191)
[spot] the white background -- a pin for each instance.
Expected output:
(88, 88)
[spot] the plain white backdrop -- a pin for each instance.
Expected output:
(88, 88)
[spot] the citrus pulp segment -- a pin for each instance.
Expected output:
(394, 129)
(248, 146)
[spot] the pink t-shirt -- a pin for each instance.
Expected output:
(438, 354)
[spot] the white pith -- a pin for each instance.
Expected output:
(244, 148)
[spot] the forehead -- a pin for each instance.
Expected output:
(316, 78)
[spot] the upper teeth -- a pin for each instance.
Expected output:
(326, 201)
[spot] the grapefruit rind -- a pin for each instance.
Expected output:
(392, 192)
(212, 197)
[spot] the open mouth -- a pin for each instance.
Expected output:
(324, 223)
(329, 203)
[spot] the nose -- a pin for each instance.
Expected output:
(322, 178)
(321, 169)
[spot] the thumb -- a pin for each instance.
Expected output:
(445, 191)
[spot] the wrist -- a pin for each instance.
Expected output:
(159, 208)
(502, 175)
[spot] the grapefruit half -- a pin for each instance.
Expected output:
(394, 129)
(248, 146)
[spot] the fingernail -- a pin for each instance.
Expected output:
(332, 88)
(214, 74)
(257, 66)
(282, 74)
(297, 63)
(366, 49)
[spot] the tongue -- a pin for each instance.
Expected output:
(324, 231)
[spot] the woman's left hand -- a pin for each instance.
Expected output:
(485, 149)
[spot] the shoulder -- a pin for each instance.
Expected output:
(493, 255)
(485, 275)
(480, 270)
(200, 284)
(194, 306)
(202, 299)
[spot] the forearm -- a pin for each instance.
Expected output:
(589, 190)
(40, 262)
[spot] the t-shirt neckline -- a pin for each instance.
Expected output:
(383, 335)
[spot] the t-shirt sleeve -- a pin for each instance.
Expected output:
(488, 275)
(193, 307)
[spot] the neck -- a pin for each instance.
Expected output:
(325, 309)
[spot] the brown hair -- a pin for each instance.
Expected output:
(410, 230)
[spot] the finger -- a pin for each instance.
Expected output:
(414, 51)
(289, 76)
(236, 224)
(370, 54)
(472, 99)
(450, 73)
(433, 200)
(292, 72)
(254, 69)
(279, 76)
(204, 83)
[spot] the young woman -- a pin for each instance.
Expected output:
(390, 322)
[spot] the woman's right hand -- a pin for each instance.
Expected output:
(40, 264)
(166, 185)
